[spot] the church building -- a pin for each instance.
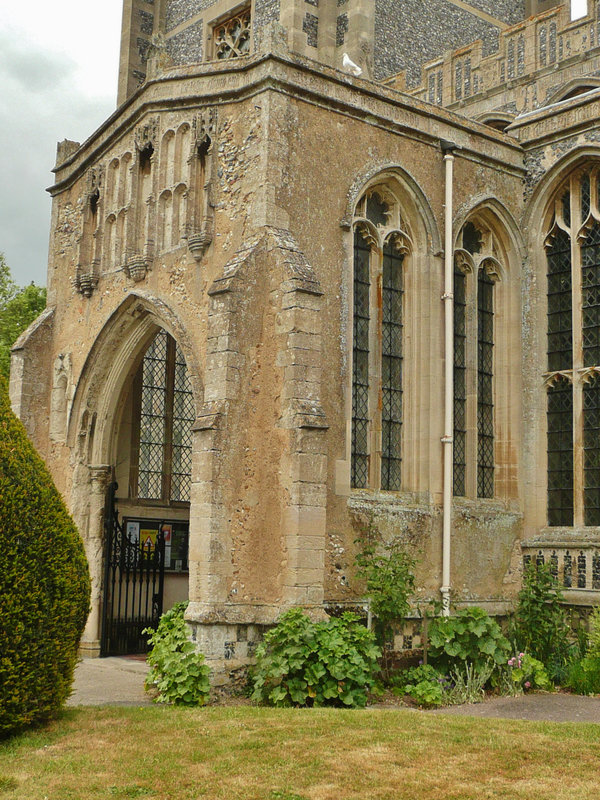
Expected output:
(331, 270)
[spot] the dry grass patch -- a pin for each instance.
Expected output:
(263, 754)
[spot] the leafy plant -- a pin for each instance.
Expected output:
(583, 676)
(44, 583)
(471, 636)
(177, 671)
(305, 663)
(594, 633)
(539, 625)
(426, 692)
(526, 672)
(390, 581)
(411, 676)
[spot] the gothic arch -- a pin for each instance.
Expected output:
(410, 195)
(496, 216)
(112, 358)
(537, 209)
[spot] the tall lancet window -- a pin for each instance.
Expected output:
(163, 416)
(380, 246)
(476, 271)
(573, 344)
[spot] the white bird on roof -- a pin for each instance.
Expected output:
(350, 66)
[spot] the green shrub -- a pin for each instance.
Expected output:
(594, 633)
(177, 671)
(304, 663)
(390, 581)
(539, 626)
(471, 636)
(44, 584)
(426, 693)
(411, 676)
(583, 676)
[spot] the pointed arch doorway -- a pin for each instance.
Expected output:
(147, 509)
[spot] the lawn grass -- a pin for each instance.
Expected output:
(245, 753)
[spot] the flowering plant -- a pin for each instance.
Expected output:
(526, 672)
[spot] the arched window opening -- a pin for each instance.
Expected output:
(163, 415)
(573, 366)
(380, 247)
(476, 271)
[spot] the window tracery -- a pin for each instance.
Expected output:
(380, 246)
(232, 36)
(573, 352)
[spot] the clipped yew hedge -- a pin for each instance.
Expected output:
(44, 583)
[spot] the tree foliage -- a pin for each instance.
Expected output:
(18, 308)
(44, 583)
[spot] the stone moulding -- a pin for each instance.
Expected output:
(199, 242)
(137, 268)
(85, 283)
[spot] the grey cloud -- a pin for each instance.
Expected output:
(36, 111)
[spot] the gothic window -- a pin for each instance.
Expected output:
(232, 35)
(380, 247)
(476, 272)
(163, 416)
(573, 345)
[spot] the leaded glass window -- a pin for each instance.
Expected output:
(560, 453)
(591, 450)
(380, 246)
(485, 378)
(360, 363)
(391, 368)
(476, 271)
(573, 369)
(560, 321)
(166, 414)
(460, 383)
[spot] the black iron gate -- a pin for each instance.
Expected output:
(133, 586)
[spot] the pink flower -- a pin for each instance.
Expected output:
(527, 685)
(511, 661)
(521, 655)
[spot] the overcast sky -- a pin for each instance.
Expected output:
(58, 80)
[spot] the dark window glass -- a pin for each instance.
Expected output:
(590, 297)
(391, 368)
(460, 384)
(560, 322)
(560, 453)
(591, 450)
(485, 378)
(360, 364)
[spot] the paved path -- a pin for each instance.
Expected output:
(551, 707)
(120, 681)
(109, 681)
